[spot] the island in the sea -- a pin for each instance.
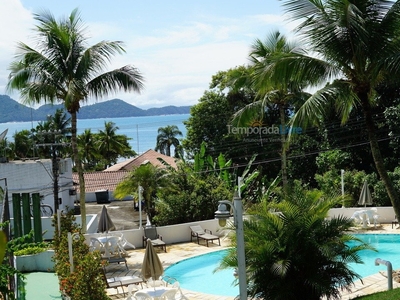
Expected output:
(13, 111)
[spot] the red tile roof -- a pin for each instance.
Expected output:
(150, 156)
(109, 178)
(95, 181)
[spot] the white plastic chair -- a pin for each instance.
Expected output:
(139, 295)
(123, 242)
(113, 246)
(155, 283)
(132, 289)
(169, 294)
(95, 244)
(376, 220)
(179, 293)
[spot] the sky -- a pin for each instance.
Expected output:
(177, 45)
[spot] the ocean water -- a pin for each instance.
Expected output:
(141, 130)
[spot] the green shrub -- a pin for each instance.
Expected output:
(25, 242)
(30, 251)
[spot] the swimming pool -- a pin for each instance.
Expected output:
(388, 246)
(196, 273)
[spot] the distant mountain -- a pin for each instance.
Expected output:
(12, 111)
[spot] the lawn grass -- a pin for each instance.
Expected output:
(388, 295)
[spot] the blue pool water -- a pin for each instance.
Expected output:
(196, 274)
(388, 246)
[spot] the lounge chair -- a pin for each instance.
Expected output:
(156, 239)
(120, 282)
(203, 234)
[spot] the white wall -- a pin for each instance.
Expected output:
(37, 177)
(48, 229)
(172, 234)
(181, 232)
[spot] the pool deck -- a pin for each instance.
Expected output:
(176, 252)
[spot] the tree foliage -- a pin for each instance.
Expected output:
(167, 137)
(293, 251)
(356, 43)
(86, 282)
(152, 179)
(194, 197)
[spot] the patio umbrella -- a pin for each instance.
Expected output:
(105, 222)
(151, 266)
(365, 196)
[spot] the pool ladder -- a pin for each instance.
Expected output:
(388, 264)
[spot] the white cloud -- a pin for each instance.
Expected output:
(177, 60)
(15, 21)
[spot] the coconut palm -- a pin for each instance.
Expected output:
(294, 252)
(23, 144)
(271, 91)
(166, 138)
(151, 179)
(88, 149)
(111, 145)
(64, 69)
(55, 130)
(357, 44)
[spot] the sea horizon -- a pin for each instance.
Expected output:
(141, 130)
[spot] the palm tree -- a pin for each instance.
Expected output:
(293, 251)
(166, 138)
(55, 130)
(23, 144)
(357, 42)
(111, 145)
(63, 69)
(150, 178)
(87, 148)
(271, 91)
(62, 123)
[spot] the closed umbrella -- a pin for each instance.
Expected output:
(151, 267)
(365, 196)
(105, 222)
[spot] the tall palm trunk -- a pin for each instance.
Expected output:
(376, 154)
(283, 146)
(168, 150)
(79, 169)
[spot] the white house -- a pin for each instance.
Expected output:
(36, 176)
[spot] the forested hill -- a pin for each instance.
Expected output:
(12, 111)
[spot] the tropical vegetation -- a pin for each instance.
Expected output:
(112, 146)
(356, 45)
(86, 280)
(167, 137)
(62, 69)
(150, 180)
(350, 123)
(293, 251)
(191, 196)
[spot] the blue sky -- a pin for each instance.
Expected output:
(177, 45)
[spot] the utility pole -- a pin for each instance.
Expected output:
(54, 162)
